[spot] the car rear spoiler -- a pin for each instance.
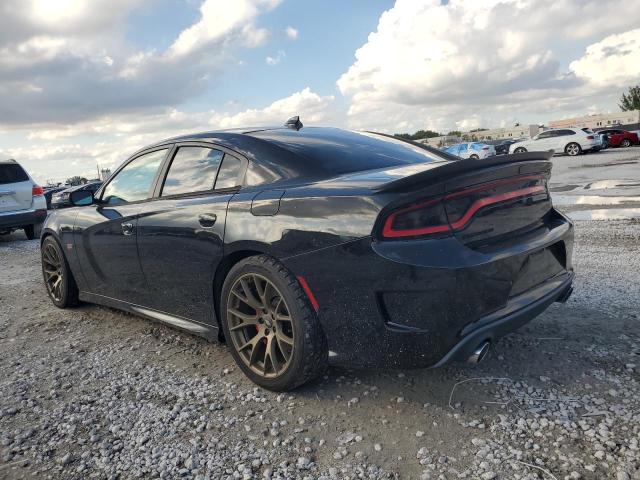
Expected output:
(441, 171)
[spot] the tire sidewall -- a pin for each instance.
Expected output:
(520, 150)
(295, 368)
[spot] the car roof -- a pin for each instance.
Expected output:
(315, 152)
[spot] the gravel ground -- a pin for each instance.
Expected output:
(95, 393)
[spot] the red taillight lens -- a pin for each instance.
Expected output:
(421, 219)
(589, 137)
(37, 190)
(456, 210)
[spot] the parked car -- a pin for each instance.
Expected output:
(601, 140)
(48, 193)
(620, 138)
(302, 247)
(473, 150)
(570, 141)
(61, 199)
(502, 145)
(22, 203)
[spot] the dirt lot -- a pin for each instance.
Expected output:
(95, 393)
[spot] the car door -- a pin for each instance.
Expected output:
(105, 232)
(181, 232)
(545, 141)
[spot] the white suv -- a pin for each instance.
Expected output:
(22, 202)
(571, 141)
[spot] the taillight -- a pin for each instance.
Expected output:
(589, 137)
(37, 190)
(422, 219)
(455, 211)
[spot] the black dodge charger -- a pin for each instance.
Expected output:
(303, 247)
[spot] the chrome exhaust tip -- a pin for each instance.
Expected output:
(479, 353)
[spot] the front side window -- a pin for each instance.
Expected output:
(193, 169)
(134, 181)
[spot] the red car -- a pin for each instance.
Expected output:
(620, 138)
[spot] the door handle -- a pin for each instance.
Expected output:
(207, 220)
(127, 228)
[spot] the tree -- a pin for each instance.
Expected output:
(455, 133)
(631, 100)
(76, 180)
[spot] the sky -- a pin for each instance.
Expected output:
(87, 82)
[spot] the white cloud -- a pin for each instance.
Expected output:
(310, 106)
(430, 64)
(613, 61)
(291, 32)
(74, 52)
(276, 59)
(56, 152)
(220, 18)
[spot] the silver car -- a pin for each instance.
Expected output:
(22, 202)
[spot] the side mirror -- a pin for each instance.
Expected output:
(80, 198)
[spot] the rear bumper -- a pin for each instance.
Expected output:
(21, 218)
(407, 304)
(517, 313)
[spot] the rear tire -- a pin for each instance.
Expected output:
(474, 157)
(274, 336)
(58, 279)
(572, 149)
(33, 231)
(625, 143)
(520, 150)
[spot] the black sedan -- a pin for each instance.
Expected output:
(304, 247)
(60, 199)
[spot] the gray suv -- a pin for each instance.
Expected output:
(22, 202)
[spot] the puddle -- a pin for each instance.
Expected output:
(605, 184)
(592, 200)
(606, 214)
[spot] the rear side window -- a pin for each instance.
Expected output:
(12, 173)
(193, 169)
(133, 183)
(564, 133)
(229, 173)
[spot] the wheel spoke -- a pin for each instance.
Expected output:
(249, 298)
(273, 357)
(284, 338)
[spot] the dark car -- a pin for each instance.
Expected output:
(60, 199)
(49, 192)
(302, 247)
(502, 146)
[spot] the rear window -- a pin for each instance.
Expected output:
(12, 173)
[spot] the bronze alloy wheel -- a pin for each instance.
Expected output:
(53, 271)
(260, 325)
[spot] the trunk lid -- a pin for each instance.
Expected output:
(479, 202)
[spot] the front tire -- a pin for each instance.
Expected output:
(573, 149)
(61, 286)
(625, 143)
(474, 157)
(520, 150)
(271, 329)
